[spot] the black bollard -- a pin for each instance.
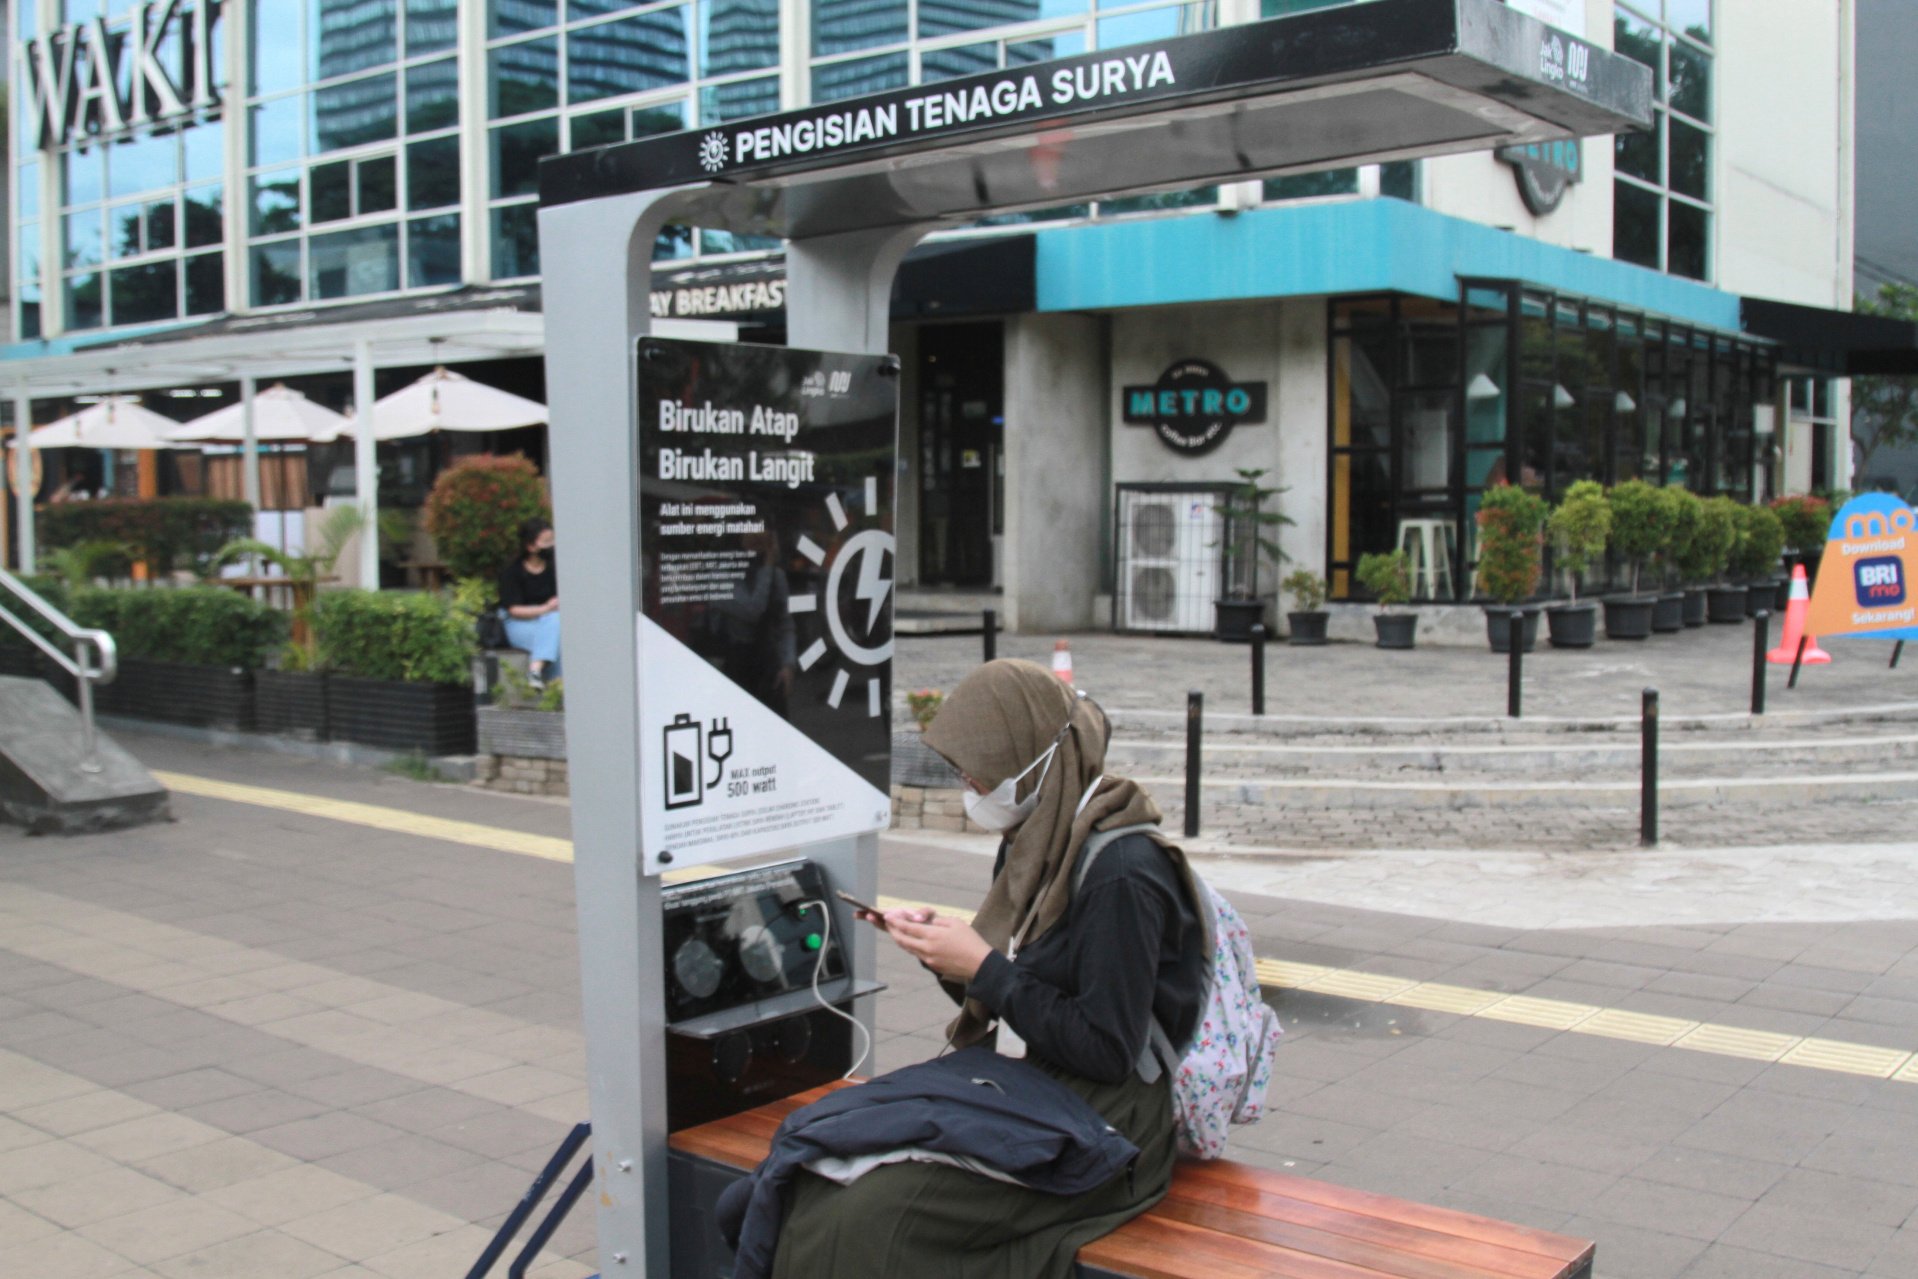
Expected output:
(1194, 726)
(1648, 770)
(1515, 668)
(1258, 668)
(989, 644)
(1761, 638)
(1798, 660)
(1897, 651)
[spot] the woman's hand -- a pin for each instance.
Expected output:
(943, 944)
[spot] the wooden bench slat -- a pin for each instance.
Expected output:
(1366, 1203)
(1396, 1252)
(1226, 1220)
(1185, 1251)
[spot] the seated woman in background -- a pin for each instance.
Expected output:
(529, 597)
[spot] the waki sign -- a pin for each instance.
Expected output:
(102, 77)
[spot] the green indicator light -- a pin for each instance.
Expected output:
(812, 941)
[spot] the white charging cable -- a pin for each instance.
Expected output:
(818, 967)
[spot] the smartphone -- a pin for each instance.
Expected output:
(878, 915)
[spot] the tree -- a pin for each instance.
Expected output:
(475, 510)
(1884, 409)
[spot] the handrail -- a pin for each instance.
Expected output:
(85, 674)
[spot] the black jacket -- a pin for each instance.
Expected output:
(1004, 1113)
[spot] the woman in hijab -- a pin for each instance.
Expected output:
(1069, 979)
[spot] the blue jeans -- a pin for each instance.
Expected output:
(539, 636)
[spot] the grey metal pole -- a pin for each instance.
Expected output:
(89, 744)
(1194, 730)
(366, 467)
(1258, 668)
(249, 447)
(1648, 769)
(1761, 640)
(989, 643)
(1515, 664)
(25, 553)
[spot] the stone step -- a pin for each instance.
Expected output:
(1679, 754)
(1543, 795)
(49, 784)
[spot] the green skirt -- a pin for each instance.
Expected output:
(933, 1221)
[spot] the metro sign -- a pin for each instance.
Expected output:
(93, 77)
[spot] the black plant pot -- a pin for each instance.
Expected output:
(1396, 630)
(1308, 628)
(433, 719)
(1629, 617)
(180, 693)
(1726, 604)
(290, 703)
(1780, 595)
(1758, 595)
(1572, 625)
(1695, 605)
(1498, 626)
(1668, 617)
(1236, 618)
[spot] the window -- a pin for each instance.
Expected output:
(1662, 192)
(355, 111)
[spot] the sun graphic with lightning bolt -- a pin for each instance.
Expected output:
(868, 555)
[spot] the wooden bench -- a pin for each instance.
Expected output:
(1226, 1220)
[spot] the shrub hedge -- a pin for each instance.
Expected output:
(475, 510)
(394, 635)
(198, 625)
(166, 532)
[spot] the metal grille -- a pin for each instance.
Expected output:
(1170, 544)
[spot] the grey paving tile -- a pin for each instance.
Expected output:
(1720, 1174)
(191, 1088)
(262, 1108)
(1863, 1198)
(1845, 1241)
(1595, 1150)
(1631, 1252)
(1512, 1178)
(409, 1158)
(329, 1134)
(1650, 1205)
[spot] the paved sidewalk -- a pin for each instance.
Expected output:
(260, 1042)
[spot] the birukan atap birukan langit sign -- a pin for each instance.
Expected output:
(1868, 577)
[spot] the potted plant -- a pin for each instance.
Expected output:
(1579, 528)
(1681, 525)
(1718, 542)
(1761, 540)
(290, 693)
(1511, 524)
(1806, 520)
(523, 722)
(476, 507)
(1638, 532)
(399, 670)
(187, 654)
(1307, 621)
(1251, 538)
(1388, 577)
(1692, 551)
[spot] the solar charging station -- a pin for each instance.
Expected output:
(684, 474)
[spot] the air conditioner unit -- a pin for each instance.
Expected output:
(1169, 561)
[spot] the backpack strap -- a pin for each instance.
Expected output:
(1159, 1055)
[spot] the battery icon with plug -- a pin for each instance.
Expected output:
(684, 762)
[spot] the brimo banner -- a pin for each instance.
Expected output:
(97, 77)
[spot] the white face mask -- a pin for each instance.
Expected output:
(1000, 808)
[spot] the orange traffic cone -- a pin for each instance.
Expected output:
(1062, 661)
(1800, 604)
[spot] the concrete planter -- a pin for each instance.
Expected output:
(1629, 617)
(1668, 615)
(916, 764)
(520, 732)
(1308, 629)
(1725, 605)
(1396, 630)
(433, 719)
(1573, 625)
(1498, 626)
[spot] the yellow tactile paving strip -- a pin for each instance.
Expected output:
(1344, 983)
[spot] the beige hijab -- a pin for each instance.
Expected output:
(999, 720)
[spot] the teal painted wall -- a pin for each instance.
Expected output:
(1354, 246)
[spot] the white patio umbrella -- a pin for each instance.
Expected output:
(116, 422)
(447, 401)
(281, 415)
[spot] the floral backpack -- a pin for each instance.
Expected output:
(1219, 1076)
